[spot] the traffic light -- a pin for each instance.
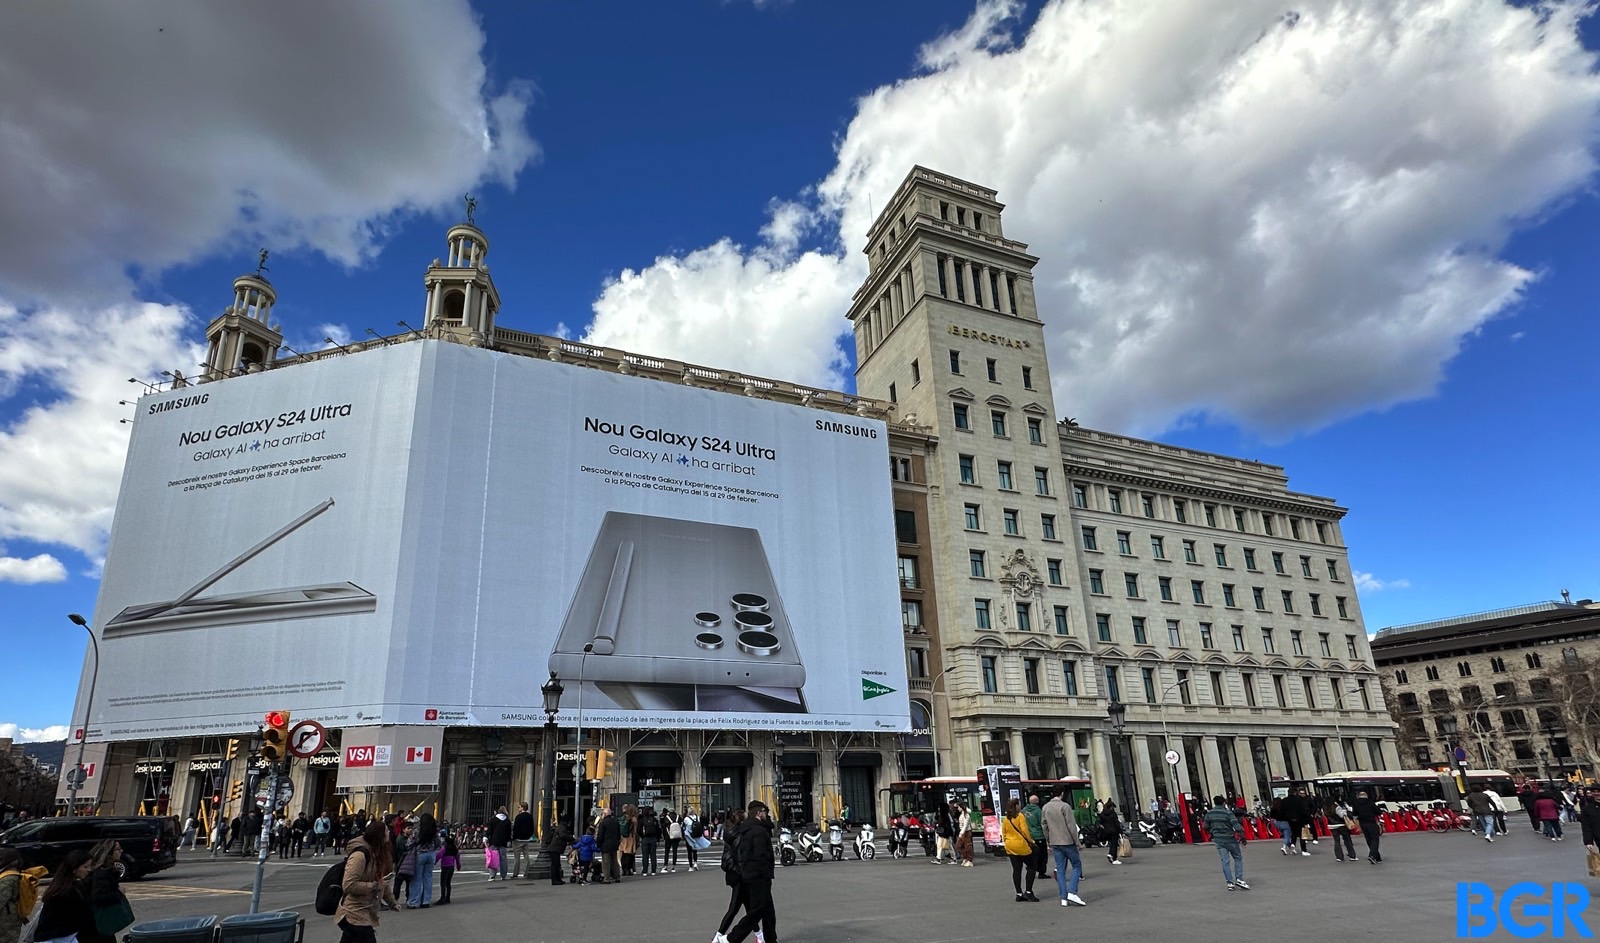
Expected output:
(236, 791)
(275, 736)
(591, 764)
(603, 764)
(233, 749)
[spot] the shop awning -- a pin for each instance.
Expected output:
(740, 758)
(655, 759)
(798, 757)
(861, 758)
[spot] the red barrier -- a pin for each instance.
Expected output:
(1249, 829)
(1321, 830)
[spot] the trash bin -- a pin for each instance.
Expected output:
(174, 930)
(284, 926)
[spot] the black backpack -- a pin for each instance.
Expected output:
(330, 890)
(730, 852)
(697, 830)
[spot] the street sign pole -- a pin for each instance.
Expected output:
(268, 816)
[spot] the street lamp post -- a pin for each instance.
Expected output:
(551, 690)
(1166, 736)
(1544, 768)
(577, 765)
(77, 777)
(1118, 712)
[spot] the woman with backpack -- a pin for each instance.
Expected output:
(19, 893)
(628, 848)
(730, 874)
(649, 834)
(692, 830)
(365, 884)
(674, 827)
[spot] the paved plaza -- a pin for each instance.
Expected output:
(1173, 892)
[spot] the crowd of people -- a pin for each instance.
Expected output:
(82, 900)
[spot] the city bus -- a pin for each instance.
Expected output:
(923, 796)
(1420, 787)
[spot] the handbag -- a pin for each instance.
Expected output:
(1124, 848)
(1305, 833)
(491, 858)
(1594, 864)
(110, 919)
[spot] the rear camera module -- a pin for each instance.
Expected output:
(710, 641)
(708, 619)
(749, 601)
(758, 643)
(759, 621)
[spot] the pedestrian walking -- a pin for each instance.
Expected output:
(693, 835)
(1019, 849)
(944, 830)
(522, 839)
(737, 897)
(450, 862)
(1111, 829)
(424, 853)
(1482, 812)
(366, 863)
(1589, 823)
(191, 829)
(320, 830)
(1548, 811)
(608, 835)
(1228, 836)
(674, 827)
(1339, 822)
(1041, 854)
(499, 840)
(754, 852)
(1499, 806)
(405, 873)
(1061, 834)
(19, 893)
(1368, 817)
(587, 851)
(66, 908)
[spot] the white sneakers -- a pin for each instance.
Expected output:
(719, 938)
(1074, 900)
(966, 864)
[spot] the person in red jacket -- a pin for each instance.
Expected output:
(1548, 811)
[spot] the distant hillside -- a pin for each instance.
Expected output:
(50, 752)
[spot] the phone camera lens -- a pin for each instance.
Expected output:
(710, 641)
(749, 601)
(759, 621)
(708, 619)
(758, 643)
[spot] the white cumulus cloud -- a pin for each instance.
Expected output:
(136, 138)
(1367, 583)
(40, 568)
(33, 734)
(1267, 218)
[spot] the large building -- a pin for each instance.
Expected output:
(1073, 601)
(1510, 689)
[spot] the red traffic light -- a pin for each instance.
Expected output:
(276, 719)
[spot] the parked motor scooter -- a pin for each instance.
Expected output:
(865, 845)
(836, 840)
(811, 843)
(785, 846)
(899, 839)
(1148, 828)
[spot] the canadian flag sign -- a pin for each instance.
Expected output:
(88, 770)
(419, 754)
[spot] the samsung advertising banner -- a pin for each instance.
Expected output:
(420, 534)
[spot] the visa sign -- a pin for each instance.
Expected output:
(1525, 910)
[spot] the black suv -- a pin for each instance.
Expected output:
(149, 843)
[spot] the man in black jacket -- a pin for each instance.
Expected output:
(522, 834)
(754, 840)
(608, 835)
(556, 839)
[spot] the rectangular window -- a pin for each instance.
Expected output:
(1267, 645)
(1294, 527)
(1102, 626)
(1295, 644)
(962, 420)
(1008, 517)
(911, 615)
(977, 285)
(1182, 685)
(1333, 569)
(1238, 638)
(1464, 669)
(1178, 513)
(1322, 533)
(1097, 582)
(1148, 505)
(905, 526)
(1024, 618)
(1030, 675)
(1277, 689)
(1130, 582)
(1113, 689)
(1248, 682)
(1174, 633)
(1216, 690)
(1432, 671)
(1238, 520)
(916, 372)
(1011, 291)
(1158, 547)
(1147, 677)
(1207, 640)
(1277, 562)
(917, 662)
(973, 521)
(1063, 627)
(1139, 635)
(1114, 497)
(1035, 431)
(955, 361)
(997, 423)
(1211, 515)
(1080, 496)
(1400, 676)
(1041, 480)
(1324, 645)
(1344, 612)
(1336, 684)
(1069, 677)
(1361, 688)
(969, 475)
(1089, 542)
(991, 678)
(1310, 692)
(1188, 552)
(1005, 476)
(1249, 559)
(961, 275)
(1288, 600)
(1266, 523)
(1316, 604)
(1227, 596)
(893, 396)
(1047, 526)
(975, 563)
(994, 375)
(908, 572)
(1221, 550)
(980, 610)
(1052, 570)
(1350, 646)
(1260, 597)
(1498, 666)
(1027, 378)
(1164, 583)
(1124, 543)
(1305, 566)
(1197, 589)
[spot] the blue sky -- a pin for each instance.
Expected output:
(1362, 247)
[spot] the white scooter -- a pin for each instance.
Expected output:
(836, 840)
(785, 846)
(866, 848)
(811, 844)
